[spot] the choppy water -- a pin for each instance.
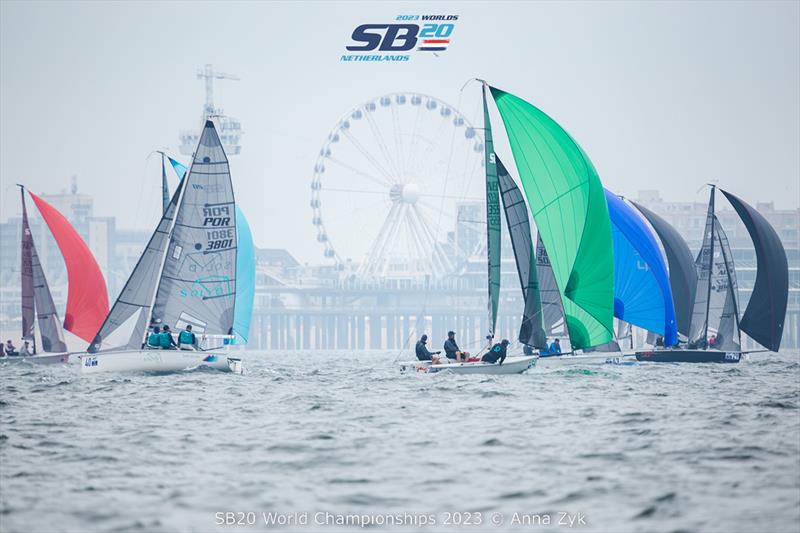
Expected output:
(633, 448)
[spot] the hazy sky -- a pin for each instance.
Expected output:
(660, 95)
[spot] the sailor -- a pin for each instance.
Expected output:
(527, 349)
(186, 339)
(153, 340)
(165, 339)
(9, 349)
(713, 341)
(422, 351)
(497, 354)
(555, 348)
(451, 349)
(26, 349)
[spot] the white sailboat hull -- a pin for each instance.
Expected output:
(512, 365)
(557, 361)
(43, 359)
(158, 361)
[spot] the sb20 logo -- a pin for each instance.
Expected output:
(400, 37)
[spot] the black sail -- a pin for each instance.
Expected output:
(26, 271)
(765, 313)
(531, 331)
(682, 273)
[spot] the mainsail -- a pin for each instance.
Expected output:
(492, 219)
(567, 202)
(26, 272)
(642, 294)
(682, 272)
(703, 266)
(531, 330)
(245, 270)
(87, 297)
(728, 336)
(765, 313)
(197, 278)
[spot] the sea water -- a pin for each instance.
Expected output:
(337, 441)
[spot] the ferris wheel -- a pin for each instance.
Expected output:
(388, 183)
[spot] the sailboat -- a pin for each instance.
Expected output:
(186, 276)
(493, 171)
(87, 299)
(715, 303)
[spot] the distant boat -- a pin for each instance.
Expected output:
(87, 299)
(186, 276)
(715, 304)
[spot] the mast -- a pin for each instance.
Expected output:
(710, 263)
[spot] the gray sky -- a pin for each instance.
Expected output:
(660, 95)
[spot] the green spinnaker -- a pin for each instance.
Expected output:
(492, 219)
(568, 205)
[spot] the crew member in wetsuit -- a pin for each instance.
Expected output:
(422, 351)
(187, 338)
(497, 354)
(9, 349)
(451, 349)
(154, 340)
(165, 339)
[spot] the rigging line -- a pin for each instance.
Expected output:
(360, 191)
(398, 141)
(368, 156)
(376, 132)
(374, 179)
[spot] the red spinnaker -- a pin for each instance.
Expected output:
(87, 298)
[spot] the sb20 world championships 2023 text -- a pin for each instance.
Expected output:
(409, 33)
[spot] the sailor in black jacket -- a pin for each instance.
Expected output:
(497, 354)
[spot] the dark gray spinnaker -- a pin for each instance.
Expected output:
(682, 273)
(764, 316)
(531, 331)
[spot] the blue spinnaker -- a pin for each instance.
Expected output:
(642, 294)
(245, 279)
(245, 270)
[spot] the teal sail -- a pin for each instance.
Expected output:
(492, 219)
(245, 270)
(568, 206)
(245, 279)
